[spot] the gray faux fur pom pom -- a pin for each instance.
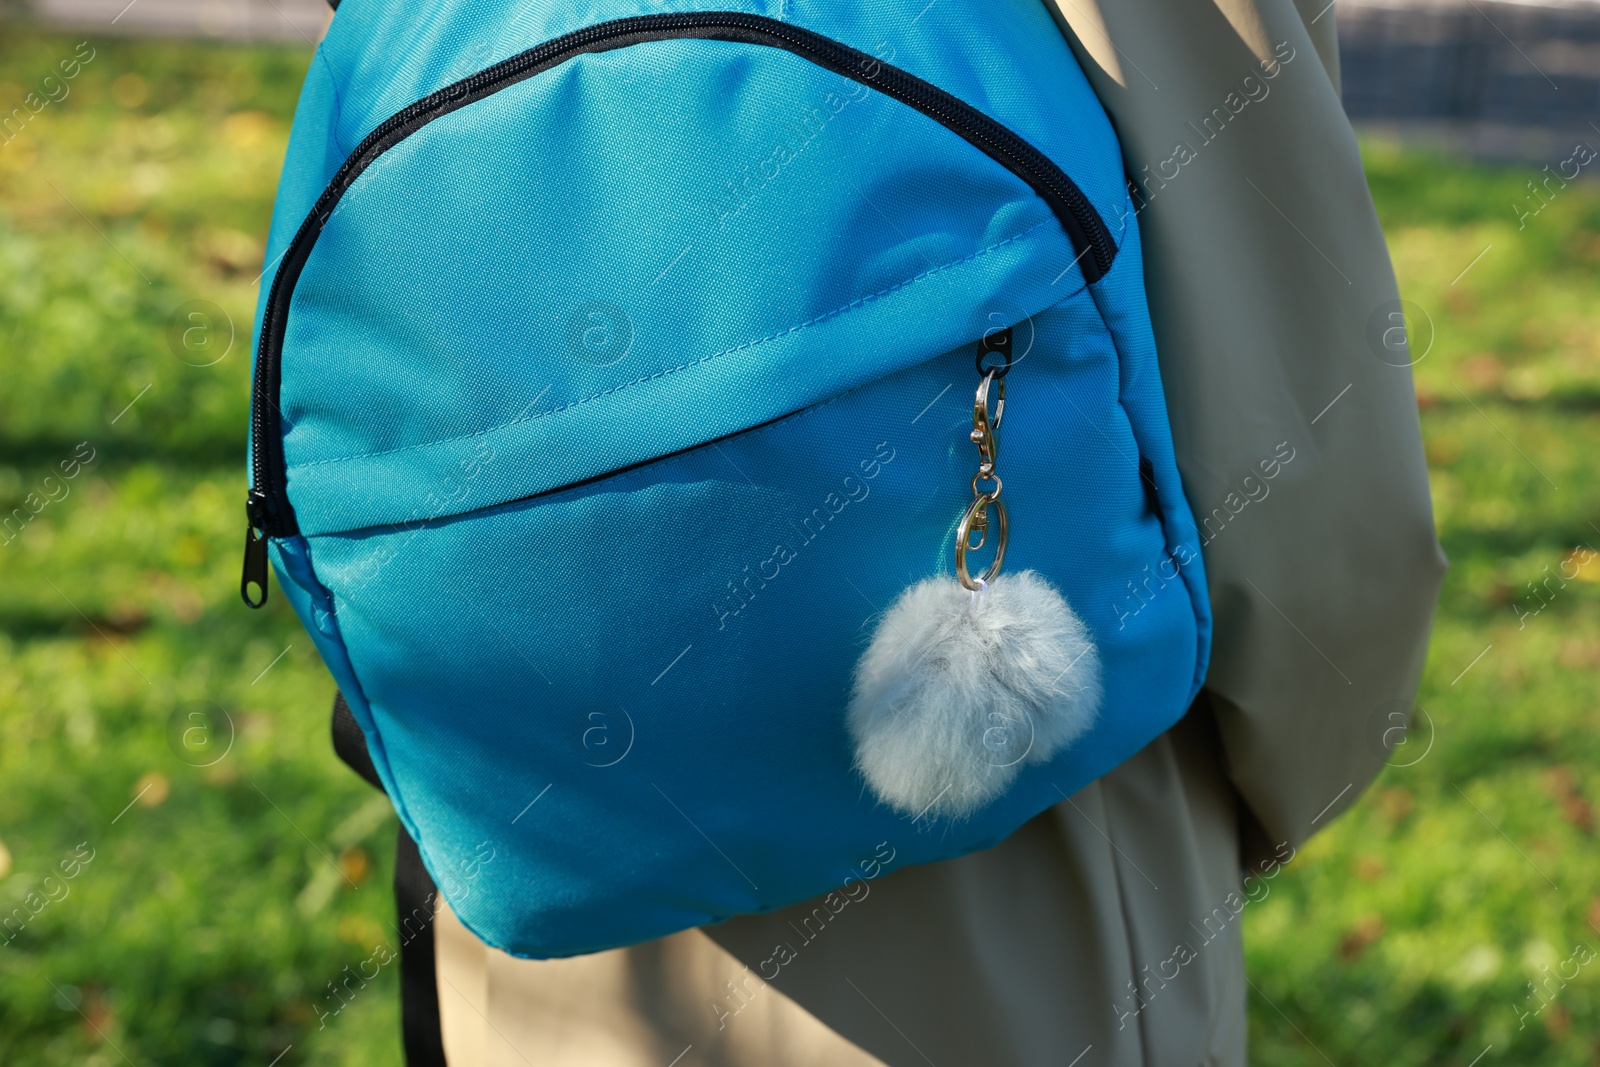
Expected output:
(959, 689)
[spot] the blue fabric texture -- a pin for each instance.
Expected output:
(619, 403)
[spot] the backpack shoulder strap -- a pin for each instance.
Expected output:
(415, 898)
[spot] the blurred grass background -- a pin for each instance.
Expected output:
(222, 901)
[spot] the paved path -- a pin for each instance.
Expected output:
(1490, 77)
(274, 20)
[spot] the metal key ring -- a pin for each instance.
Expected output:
(980, 506)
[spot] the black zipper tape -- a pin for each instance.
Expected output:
(269, 511)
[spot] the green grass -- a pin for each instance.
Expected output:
(1408, 931)
(219, 905)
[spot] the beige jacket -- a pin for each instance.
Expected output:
(1107, 930)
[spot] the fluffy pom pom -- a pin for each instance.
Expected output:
(959, 690)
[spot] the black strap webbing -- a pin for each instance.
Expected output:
(350, 744)
(415, 898)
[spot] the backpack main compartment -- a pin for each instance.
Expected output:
(616, 374)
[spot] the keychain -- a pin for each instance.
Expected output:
(967, 680)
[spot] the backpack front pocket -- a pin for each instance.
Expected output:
(632, 240)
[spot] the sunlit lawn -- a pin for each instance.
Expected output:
(220, 901)
(1414, 926)
(218, 907)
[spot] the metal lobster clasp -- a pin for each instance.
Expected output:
(984, 424)
(988, 408)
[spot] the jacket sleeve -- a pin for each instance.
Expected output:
(1286, 372)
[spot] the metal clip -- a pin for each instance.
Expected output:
(985, 422)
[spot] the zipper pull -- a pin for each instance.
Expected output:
(255, 550)
(996, 342)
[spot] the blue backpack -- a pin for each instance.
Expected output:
(632, 399)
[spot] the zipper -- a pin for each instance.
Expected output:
(268, 509)
(255, 551)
